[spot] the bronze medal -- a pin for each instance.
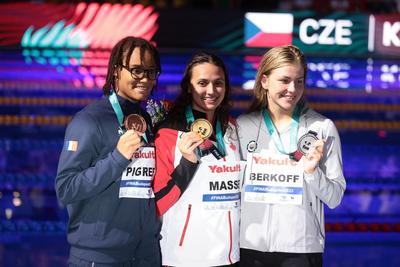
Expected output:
(135, 122)
(202, 127)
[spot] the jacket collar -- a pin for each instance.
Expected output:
(129, 106)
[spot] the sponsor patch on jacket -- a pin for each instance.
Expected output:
(71, 145)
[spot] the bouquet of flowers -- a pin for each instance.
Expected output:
(157, 110)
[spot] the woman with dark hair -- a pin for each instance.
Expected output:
(198, 175)
(294, 167)
(107, 164)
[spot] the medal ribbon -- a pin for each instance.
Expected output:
(220, 139)
(294, 127)
(118, 111)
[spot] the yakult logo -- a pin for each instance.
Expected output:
(272, 161)
(224, 168)
(145, 155)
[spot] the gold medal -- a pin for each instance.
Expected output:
(135, 122)
(202, 127)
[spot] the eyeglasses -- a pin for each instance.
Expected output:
(139, 72)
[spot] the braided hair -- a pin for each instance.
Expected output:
(121, 55)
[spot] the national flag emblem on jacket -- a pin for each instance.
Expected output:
(268, 29)
(71, 145)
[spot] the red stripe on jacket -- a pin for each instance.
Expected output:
(165, 143)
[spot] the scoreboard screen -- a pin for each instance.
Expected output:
(340, 73)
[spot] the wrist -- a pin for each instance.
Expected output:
(309, 170)
(191, 158)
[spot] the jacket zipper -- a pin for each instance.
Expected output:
(185, 226)
(230, 237)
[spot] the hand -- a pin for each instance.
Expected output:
(129, 142)
(313, 157)
(188, 144)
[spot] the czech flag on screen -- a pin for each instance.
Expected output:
(268, 29)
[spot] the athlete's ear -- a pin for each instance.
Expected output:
(117, 72)
(264, 82)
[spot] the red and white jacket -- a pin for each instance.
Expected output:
(199, 202)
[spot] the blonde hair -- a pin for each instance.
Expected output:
(274, 59)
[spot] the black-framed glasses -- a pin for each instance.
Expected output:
(139, 72)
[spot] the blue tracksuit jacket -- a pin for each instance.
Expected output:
(103, 227)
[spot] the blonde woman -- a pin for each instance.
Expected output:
(294, 167)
